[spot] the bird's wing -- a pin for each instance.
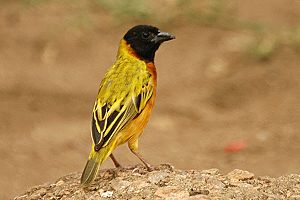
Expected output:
(111, 117)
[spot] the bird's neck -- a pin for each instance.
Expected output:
(126, 49)
(125, 52)
(128, 55)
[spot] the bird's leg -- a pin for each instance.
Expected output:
(133, 146)
(147, 165)
(116, 163)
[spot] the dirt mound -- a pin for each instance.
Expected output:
(228, 86)
(165, 182)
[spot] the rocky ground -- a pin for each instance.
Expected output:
(165, 182)
(228, 86)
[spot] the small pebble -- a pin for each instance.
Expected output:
(61, 182)
(119, 185)
(239, 175)
(171, 192)
(212, 171)
(107, 194)
(157, 176)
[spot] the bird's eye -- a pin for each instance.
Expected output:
(145, 35)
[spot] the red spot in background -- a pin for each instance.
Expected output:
(235, 146)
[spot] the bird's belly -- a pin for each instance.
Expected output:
(135, 128)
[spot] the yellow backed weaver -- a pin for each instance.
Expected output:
(125, 98)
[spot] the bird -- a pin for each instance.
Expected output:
(125, 98)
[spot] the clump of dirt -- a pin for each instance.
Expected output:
(165, 182)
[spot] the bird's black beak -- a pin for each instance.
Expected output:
(162, 37)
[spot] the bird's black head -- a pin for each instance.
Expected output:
(145, 40)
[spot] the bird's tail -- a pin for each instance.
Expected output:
(89, 173)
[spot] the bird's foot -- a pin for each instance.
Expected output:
(149, 167)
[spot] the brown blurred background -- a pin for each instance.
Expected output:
(228, 87)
